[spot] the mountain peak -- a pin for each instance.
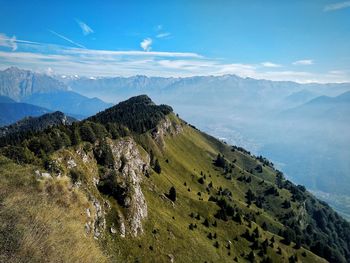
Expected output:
(138, 113)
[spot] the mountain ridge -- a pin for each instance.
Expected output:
(35, 124)
(164, 191)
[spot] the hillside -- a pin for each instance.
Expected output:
(35, 124)
(135, 183)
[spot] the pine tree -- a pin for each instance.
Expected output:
(172, 194)
(157, 167)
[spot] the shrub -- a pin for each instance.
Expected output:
(172, 194)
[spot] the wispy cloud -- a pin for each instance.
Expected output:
(66, 60)
(303, 62)
(146, 44)
(163, 35)
(268, 64)
(84, 27)
(66, 38)
(9, 42)
(336, 6)
(133, 53)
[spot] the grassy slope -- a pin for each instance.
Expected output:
(167, 226)
(51, 222)
(41, 221)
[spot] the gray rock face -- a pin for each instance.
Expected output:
(17, 84)
(165, 127)
(99, 223)
(131, 167)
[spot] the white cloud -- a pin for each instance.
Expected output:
(135, 53)
(84, 27)
(146, 44)
(337, 6)
(6, 41)
(163, 35)
(303, 62)
(66, 38)
(270, 64)
(64, 60)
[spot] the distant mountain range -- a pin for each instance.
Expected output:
(17, 83)
(224, 90)
(47, 92)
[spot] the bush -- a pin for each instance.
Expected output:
(172, 194)
(157, 167)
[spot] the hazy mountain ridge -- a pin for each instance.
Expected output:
(322, 108)
(13, 111)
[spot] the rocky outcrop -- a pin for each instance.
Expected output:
(163, 128)
(130, 168)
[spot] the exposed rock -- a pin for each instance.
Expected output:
(87, 228)
(121, 221)
(99, 223)
(113, 230)
(71, 163)
(122, 229)
(83, 155)
(302, 215)
(171, 258)
(95, 180)
(42, 175)
(88, 212)
(163, 128)
(131, 169)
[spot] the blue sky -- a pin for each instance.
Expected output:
(296, 40)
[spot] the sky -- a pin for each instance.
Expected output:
(299, 40)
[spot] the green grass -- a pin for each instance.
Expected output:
(188, 154)
(47, 218)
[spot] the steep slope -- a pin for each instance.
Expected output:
(12, 112)
(159, 190)
(35, 124)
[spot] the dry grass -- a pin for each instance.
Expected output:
(43, 222)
